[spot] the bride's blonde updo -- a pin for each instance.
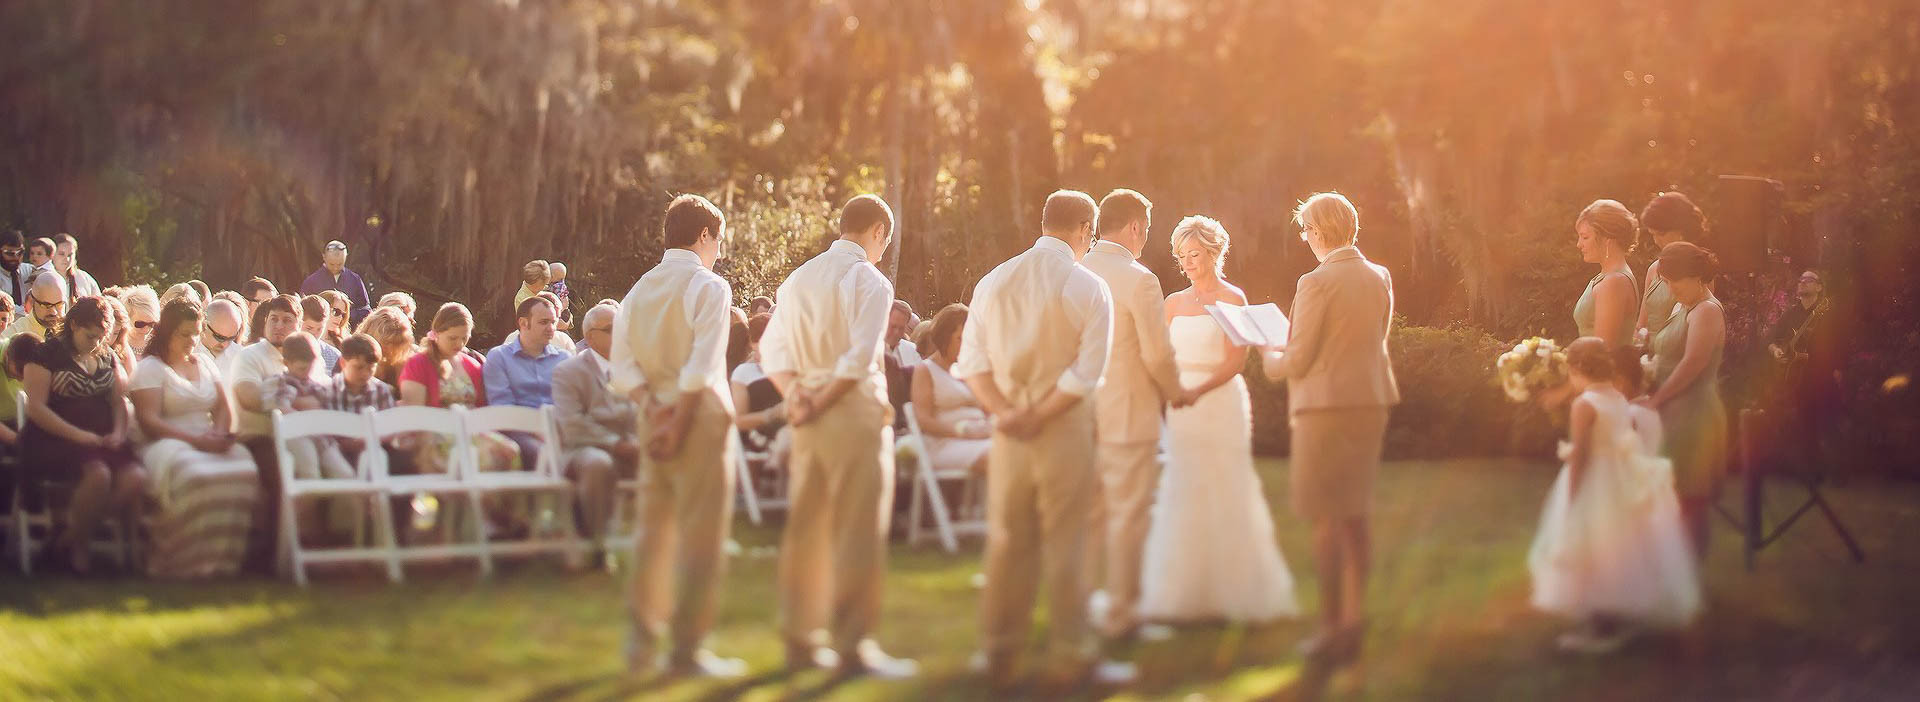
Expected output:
(1207, 232)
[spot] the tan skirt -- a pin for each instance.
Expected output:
(1336, 453)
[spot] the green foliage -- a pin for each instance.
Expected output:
(1450, 400)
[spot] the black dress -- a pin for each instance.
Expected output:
(86, 401)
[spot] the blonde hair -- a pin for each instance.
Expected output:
(142, 298)
(1208, 233)
(1610, 220)
(1331, 216)
(180, 291)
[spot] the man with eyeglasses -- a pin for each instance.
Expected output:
(66, 262)
(334, 275)
(46, 305)
(14, 271)
(220, 337)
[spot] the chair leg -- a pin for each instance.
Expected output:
(745, 481)
(478, 517)
(382, 509)
(289, 555)
(942, 519)
(914, 508)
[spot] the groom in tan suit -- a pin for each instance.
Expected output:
(669, 357)
(1140, 381)
(822, 349)
(1034, 348)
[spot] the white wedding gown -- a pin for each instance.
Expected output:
(1211, 553)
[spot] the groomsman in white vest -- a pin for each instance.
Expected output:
(1034, 349)
(1140, 382)
(822, 350)
(669, 356)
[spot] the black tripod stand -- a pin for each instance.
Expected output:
(1752, 525)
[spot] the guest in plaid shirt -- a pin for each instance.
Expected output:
(354, 388)
(294, 391)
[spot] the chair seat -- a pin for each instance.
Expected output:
(427, 483)
(332, 487)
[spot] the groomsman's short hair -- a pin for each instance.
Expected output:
(1330, 215)
(1066, 211)
(687, 215)
(864, 211)
(1123, 207)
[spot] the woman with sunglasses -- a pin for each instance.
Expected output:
(143, 311)
(339, 323)
(77, 431)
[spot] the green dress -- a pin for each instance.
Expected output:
(1586, 316)
(1658, 302)
(1695, 421)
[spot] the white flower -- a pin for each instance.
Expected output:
(1544, 352)
(1520, 347)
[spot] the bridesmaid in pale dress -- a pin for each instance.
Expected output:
(1604, 234)
(953, 428)
(1668, 218)
(1687, 355)
(203, 481)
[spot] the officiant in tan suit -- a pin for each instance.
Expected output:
(1140, 382)
(1034, 349)
(1340, 388)
(822, 349)
(669, 357)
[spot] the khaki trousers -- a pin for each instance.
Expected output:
(1041, 492)
(1129, 478)
(686, 509)
(833, 553)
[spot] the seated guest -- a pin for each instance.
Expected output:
(40, 258)
(392, 328)
(401, 301)
(533, 280)
(143, 312)
(599, 435)
(259, 363)
(759, 305)
(315, 314)
(200, 288)
(898, 359)
(355, 388)
(256, 291)
(954, 430)
(520, 371)
(14, 353)
(120, 340)
(561, 293)
(302, 387)
(755, 399)
(77, 427)
(738, 348)
(440, 375)
(46, 303)
(339, 323)
(203, 481)
(220, 335)
(6, 308)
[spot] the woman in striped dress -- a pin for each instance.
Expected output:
(204, 483)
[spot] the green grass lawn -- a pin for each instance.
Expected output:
(1450, 621)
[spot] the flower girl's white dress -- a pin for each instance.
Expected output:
(1617, 548)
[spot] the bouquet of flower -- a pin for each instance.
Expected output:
(1534, 365)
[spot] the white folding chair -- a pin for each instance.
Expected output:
(329, 423)
(431, 420)
(743, 480)
(971, 517)
(543, 477)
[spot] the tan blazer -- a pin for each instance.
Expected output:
(1140, 374)
(588, 411)
(1337, 351)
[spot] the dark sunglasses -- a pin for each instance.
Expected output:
(339, 313)
(143, 325)
(222, 338)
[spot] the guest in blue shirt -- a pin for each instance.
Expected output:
(520, 372)
(333, 275)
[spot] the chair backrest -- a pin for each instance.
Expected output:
(411, 418)
(305, 424)
(20, 410)
(527, 420)
(913, 422)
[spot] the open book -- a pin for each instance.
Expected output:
(1256, 325)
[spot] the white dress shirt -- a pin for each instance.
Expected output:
(830, 318)
(705, 300)
(1049, 268)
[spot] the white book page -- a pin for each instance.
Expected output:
(1273, 323)
(1233, 320)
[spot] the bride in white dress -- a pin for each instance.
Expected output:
(1210, 553)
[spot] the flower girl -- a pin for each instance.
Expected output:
(1610, 552)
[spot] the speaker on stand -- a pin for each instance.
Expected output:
(1749, 233)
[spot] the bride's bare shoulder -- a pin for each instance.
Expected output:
(1232, 293)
